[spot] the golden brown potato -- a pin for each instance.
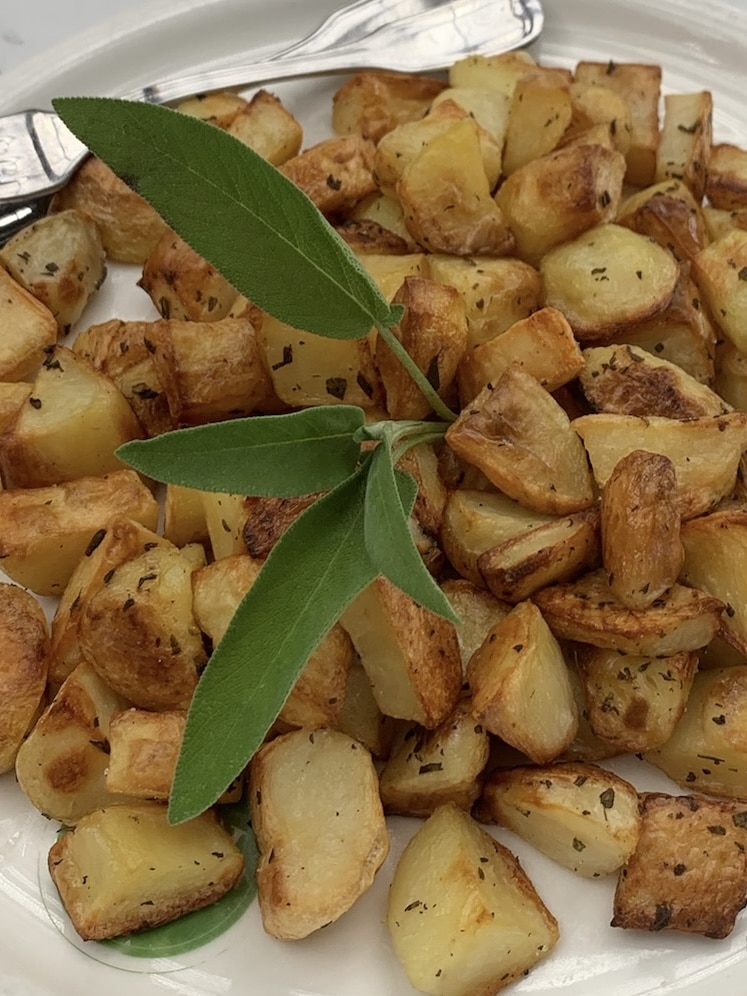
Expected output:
(61, 765)
(607, 280)
(545, 554)
(464, 918)
(124, 352)
(496, 292)
(630, 381)
(428, 768)
(335, 173)
(126, 868)
(143, 749)
(499, 73)
(540, 113)
(708, 750)
(521, 439)
(122, 539)
(373, 103)
(219, 108)
(478, 611)
(320, 829)
(594, 105)
(23, 668)
(139, 632)
(398, 149)
(719, 271)
(689, 871)
(224, 520)
(29, 328)
(488, 107)
(586, 610)
(60, 260)
(556, 197)
(640, 86)
(543, 345)
(410, 655)
(685, 141)
(268, 127)
(73, 423)
(581, 816)
(682, 333)
(181, 284)
(128, 225)
(384, 212)
(184, 516)
(521, 691)
(476, 521)
(265, 519)
(45, 531)
(715, 546)
(632, 702)
(446, 196)
(705, 451)
(216, 370)
(433, 330)
(641, 546)
(308, 369)
(669, 214)
(726, 186)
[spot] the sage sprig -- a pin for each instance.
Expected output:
(268, 239)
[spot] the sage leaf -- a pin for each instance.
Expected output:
(236, 210)
(270, 455)
(390, 495)
(314, 571)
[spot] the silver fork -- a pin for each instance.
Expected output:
(38, 154)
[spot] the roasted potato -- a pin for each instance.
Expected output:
(45, 531)
(61, 765)
(126, 868)
(182, 285)
(464, 918)
(60, 260)
(581, 816)
(29, 327)
(320, 828)
(689, 871)
(374, 103)
(23, 668)
(128, 225)
(410, 655)
(521, 691)
(143, 749)
(73, 423)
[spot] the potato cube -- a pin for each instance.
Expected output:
(320, 829)
(125, 868)
(45, 531)
(410, 655)
(689, 871)
(708, 749)
(61, 765)
(726, 186)
(269, 128)
(373, 103)
(24, 635)
(581, 816)
(669, 214)
(428, 768)
(335, 173)
(464, 918)
(685, 142)
(29, 328)
(143, 750)
(74, 421)
(182, 285)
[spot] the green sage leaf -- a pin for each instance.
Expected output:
(315, 570)
(390, 495)
(195, 929)
(238, 211)
(271, 455)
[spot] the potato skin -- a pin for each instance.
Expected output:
(24, 636)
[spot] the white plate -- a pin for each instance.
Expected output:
(700, 47)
